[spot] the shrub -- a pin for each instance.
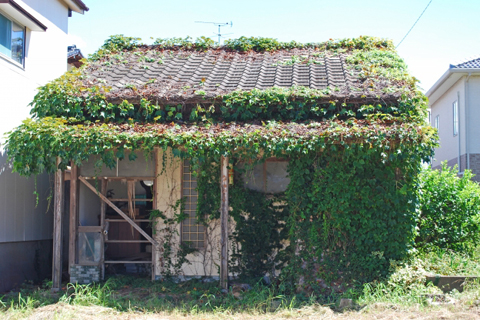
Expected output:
(449, 210)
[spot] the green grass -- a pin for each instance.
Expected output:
(404, 288)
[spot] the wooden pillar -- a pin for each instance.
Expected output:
(103, 211)
(57, 229)
(156, 253)
(73, 223)
(224, 224)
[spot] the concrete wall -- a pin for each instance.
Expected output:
(24, 260)
(26, 229)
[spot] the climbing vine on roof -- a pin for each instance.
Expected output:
(354, 152)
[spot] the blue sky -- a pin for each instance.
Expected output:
(447, 33)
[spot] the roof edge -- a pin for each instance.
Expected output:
(443, 83)
(34, 25)
(77, 6)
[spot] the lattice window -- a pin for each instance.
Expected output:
(192, 232)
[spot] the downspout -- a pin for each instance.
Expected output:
(467, 122)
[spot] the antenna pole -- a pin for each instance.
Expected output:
(219, 25)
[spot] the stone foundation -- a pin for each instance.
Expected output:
(84, 274)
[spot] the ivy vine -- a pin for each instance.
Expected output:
(351, 205)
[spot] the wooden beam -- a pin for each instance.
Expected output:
(126, 261)
(72, 243)
(121, 178)
(103, 211)
(134, 200)
(156, 254)
(120, 212)
(224, 223)
(87, 229)
(127, 241)
(57, 230)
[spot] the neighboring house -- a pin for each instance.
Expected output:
(33, 40)
(454, 108)
(74, 56)
(172, 100)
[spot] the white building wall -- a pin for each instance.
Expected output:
(443, 107)
(45, 59)
(474, 114)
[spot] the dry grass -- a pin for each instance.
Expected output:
(375, 311)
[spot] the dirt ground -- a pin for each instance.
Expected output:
(378, 311)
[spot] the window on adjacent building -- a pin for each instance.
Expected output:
(437, 122)
(455, 118)
(193, 232)
(12, 39)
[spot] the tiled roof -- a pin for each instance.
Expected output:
(74, 56)
(474, 63)
(182, 75)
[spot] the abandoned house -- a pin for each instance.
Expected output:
(151, 139)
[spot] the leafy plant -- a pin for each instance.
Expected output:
(174, 252)
(449, 210)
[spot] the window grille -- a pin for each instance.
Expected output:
(193, 232)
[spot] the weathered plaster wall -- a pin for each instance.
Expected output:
(206, 261)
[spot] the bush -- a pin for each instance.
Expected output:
(449, 210)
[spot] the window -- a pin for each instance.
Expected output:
(437, 122)
(192, 232)
(455, 118)
(12, 39)
(269, 177)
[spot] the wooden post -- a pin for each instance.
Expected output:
(57, 229)
(103, 211)
(73, 223)
(224, 223)
(156, 254)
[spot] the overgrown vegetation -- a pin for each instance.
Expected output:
(403, 289)
(449, 210)
(351, 204)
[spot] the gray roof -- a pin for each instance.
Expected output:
(221, 72)
(475, 63)
(189, 76)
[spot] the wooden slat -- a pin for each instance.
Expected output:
(224, 223)
(82, 229)
(120, 212)
(121, 220)
(126, 199)
(127, 241)
(120, 178)
(72, 243)
(57, 229)
(126, 261)
(131, 195)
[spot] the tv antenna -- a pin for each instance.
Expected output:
(219, 25)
